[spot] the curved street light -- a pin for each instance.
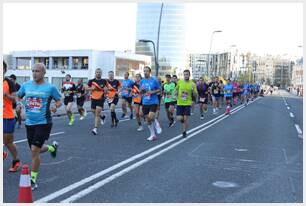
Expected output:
(155, 57)
(211, 40)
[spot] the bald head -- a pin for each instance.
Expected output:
(38, 72)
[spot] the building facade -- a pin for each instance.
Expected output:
(297, 74)
(171, 51)
(80, 64)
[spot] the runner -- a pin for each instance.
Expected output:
(202, 89)
(113, 86)
(149, 88)
(97, 87)
(194, 100)
(245, 94)
(68, 88)
(81, 93)
(236, 91)
(9, 95)
(16, 107)
(215, 94)
(169, 99)
(221, 93)
(174, 79)
(185, 89)
(38, 95)
(228, 93)
(127, 85)
(137, 101)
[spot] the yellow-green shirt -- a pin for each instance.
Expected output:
(184, 91)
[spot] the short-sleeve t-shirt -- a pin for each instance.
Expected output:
(215, 89)
(113, 87)
(37, 101)
(228, 90)
(127, 85)
(169, 91)
(185, 90)
(68, 87)
(202, 89)
(80, 90)
(149, 85)
(98, 92)
(8, 88)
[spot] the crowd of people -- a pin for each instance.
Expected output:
(143, 95)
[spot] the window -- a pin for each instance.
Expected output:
(23, 63)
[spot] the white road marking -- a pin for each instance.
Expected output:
(291, 114)
(118, 165)
(298, 129)
(101, 183)
(25, 140)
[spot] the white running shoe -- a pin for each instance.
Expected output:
(202, 117)
(157, 127)
(82, 117)
(140, 128)
(95, 131)
(152, 138)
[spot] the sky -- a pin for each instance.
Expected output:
(262, 28)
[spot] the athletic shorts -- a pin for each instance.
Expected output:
(137, 103)
(203, 100)
(215, 98)
(80, 101)
(183, 110)
(167, 104)
(38, 134)
(228, 98)
(67, 100)
(114, 101)
(8, 126)
(128, 99)
(97, 103)
(146, 109)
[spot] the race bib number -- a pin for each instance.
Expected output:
(34, 104)
(184, 96)
(202, 99)
(216, 91)
(79, 95)
(147, 96)
(66, 93)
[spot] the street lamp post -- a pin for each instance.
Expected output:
(211, 39)
(158, 33)
(155, 57)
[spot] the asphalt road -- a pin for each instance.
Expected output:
(253, 155)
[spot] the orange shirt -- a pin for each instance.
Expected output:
(113, 87)
(8, 111)
(136, 94)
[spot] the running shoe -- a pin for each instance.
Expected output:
(5, 154)
(82, 117)
(116, 122)
(184, 134)
(102, 120)
(34, 185)
(152, 138)
(140, 128)
(15, 166)
(122, 116)
(94, 131)
(202, 116)
(131, 116)
(55, 146)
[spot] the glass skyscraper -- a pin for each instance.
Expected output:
(172, 54)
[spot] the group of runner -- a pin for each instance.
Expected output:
(143, 97)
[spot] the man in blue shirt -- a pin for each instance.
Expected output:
(149, 87)
(127, 86)
(228, 94)
(38, 95)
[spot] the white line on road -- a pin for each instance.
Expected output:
(291, 114)
(120, 164)
(285, 155)
(101, 183)
(25, 140)
(298, 129)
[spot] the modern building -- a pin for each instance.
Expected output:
(297, 74)
(80, 64)
(172, 57)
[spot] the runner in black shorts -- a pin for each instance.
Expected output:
(68, 88)
(202, 89)
(97, 87)
(80, 93)
(169, 99)
(127, 85)
(113, 86)
(137, 101)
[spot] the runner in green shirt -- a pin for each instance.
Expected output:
(186, 89)
(169, 98)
